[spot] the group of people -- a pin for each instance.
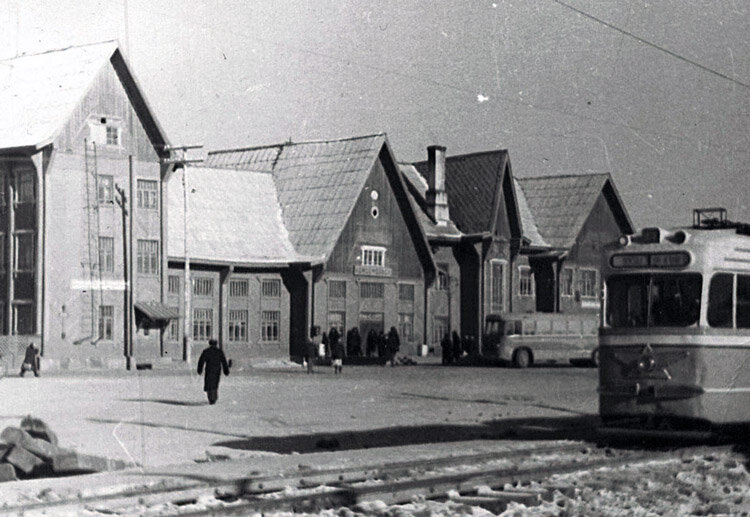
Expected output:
(454, 347)
(330, 345)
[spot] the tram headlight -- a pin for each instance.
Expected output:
(624, 240)
(647, 364)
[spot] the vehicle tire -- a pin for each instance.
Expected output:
(595, 358)
(522, 358)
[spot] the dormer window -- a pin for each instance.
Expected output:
(373, 256)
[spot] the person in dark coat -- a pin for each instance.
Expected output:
(337, 351)
(372, 342)
(214, 360)
(356, 342)
(31, 360)
(392, 345)
(380, 340)
(447, 348)
(333, 337)
(457, 348)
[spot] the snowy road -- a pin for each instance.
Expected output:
(158, 418)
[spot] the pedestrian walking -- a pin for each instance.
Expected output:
(337, 351)
(311, 347)
(392, 345)
(214, 360)
(31, 360)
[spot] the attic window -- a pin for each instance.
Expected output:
(104, 131)
(373, 256)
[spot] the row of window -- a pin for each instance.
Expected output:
(147, 192)
(23, 191)
(239, 288)
(337, 289)
(237, 331)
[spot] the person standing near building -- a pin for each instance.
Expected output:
(392, 345)
(311, 347)
(337, 351)
(214, 360)
(31, 360)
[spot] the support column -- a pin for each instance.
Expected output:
(224, 277)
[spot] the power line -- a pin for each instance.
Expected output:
(653, 45)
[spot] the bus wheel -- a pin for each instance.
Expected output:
(522, 358)
(595, 357)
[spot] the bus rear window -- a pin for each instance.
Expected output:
(653, 300)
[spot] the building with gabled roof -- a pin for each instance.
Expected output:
(568, 221)
(470, 215)
(295, 235)
(81, 209)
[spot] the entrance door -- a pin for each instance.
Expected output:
(370, 321)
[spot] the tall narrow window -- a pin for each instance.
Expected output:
(497, 285)
(105, 185)
(237, 325)
(23, 318)
(203, 286)
(373, 256)
(271, 288)
(106, 321)
(106, 254)
(587, 283)
(238, 288)
(148, 194)
(174, 329)
(525, 281)
(566, 282)
(203, 322)
(148, 257)
(443, 279)
(173, 286)
(25, 192)
(371, 290)
(269, 326)
(337, 289)
(25, 252)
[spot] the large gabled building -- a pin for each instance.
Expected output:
(470, 216)
(568, 219)
(283, 237)
(76, 274)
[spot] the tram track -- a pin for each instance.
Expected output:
(392, 483)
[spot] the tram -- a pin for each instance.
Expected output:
(674, 341)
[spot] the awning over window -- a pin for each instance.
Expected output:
(155, 311)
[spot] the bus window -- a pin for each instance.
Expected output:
(654, 300)
(743, 301)
(720, 300)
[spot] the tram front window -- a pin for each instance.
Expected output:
(653, 300)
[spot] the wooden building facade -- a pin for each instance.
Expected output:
(81, 210)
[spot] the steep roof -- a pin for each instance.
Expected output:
(317, 185)
(472, 181)
(530, 230)
(239, 223)
(39, 92)
(417, 188)
(560, 205)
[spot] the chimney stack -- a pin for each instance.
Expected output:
(437, 198)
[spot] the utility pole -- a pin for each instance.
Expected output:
(181, 161)
(122, 201)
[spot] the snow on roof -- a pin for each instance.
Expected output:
(233, 216)
(38, 92)
(317, 184)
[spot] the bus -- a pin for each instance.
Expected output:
(535, 338)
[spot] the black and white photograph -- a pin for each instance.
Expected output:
(375, 259)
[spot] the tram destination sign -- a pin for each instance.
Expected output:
(635, 260)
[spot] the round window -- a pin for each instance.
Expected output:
(375, 213)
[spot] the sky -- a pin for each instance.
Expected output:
(657, 93)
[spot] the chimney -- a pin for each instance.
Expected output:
(437, 198)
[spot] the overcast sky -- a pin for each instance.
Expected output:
(656, 93)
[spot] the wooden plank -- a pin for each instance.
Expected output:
(36, 446)
(23, 460)
(7, 472)
(74, 462)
